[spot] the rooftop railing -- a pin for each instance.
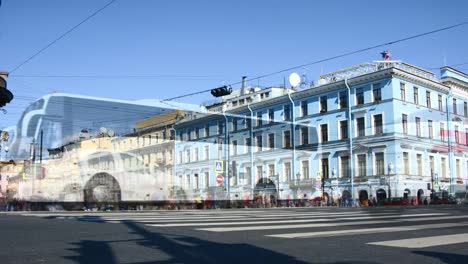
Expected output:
(366, 68)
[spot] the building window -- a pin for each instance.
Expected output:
(344, 129)
(323, 104)
(247, 145)
(431, 165)
(206, 152)
(418, 126)
(196, 180)
(271, 141)
(304, 135)
(362, 167)
(458, 169)
(443, 164)
(247, 122)
(287, 112)
(377, 92)
(465, 108)
(442, 131)
(248, 175)
(259, 173)
(207, 130)
(187, 181)
(344, 166)
(379, 163)
(466, 139)
(287, 171)
(234, 124)
(195, 154)
(428, 99)
(304, 110)
(406, 168)
(404, 123)
(259, 119)
(207, 179)
(378, 124)
(416, 95)
(179, 157)
(419, 164)
(187, 155)
(403, 91)
(455, 105)
(361, 126)
(430, 129)
(343, 97)
(234, 147)
(359, 96)
(287, 139)
(271, 170)
(259, 140)
(439, 98)
(324, 132)
(271, 116)
(220, 128)
(457, 135)
(305, 169)
(325, 170)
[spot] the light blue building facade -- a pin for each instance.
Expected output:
(373, 131)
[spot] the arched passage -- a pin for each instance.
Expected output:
(363, 196)
(102, 187)
(420, 195)
(406, 193)
(381, 195)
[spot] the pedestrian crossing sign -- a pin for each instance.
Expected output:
(219, 166)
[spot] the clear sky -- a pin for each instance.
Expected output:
(187, 46)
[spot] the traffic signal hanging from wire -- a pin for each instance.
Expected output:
(5, 95)
(221, 91)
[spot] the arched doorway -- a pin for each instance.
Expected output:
(363, 196)
(265, 192)
(346, 195)
(381, 195)
(420, 195)
(326, 198)
(406, 193)
(102, 188)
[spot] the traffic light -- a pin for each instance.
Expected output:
(221, 91)
(5, 95)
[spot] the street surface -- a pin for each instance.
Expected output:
(437, 234)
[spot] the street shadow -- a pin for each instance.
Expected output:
(180, 248)
(184, 249)
(444, 257)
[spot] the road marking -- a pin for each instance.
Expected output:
(422, 242)
(287, 221)
(225, 218)
(276, 227)
(367, 230)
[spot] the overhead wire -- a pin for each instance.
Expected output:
(330, 58)
(62, 36)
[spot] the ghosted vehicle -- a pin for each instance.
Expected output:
(99, 178)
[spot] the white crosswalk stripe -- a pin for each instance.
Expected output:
(422, 242)
(294, 224)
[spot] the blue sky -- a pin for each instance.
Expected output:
(198, 45)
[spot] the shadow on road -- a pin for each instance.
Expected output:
(181, 249)
(448, 258)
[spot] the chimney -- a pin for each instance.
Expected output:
(244, 85)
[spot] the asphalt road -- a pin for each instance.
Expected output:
(436, 234)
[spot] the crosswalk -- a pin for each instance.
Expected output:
(300, 224)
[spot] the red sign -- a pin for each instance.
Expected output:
(219, 179)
